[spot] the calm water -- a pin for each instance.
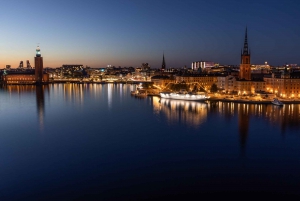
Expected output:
(85, 142)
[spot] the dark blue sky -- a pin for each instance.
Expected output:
(127, 33)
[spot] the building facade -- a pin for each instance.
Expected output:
(28, 76)
(204, 80)
(285, 85)
(202, 65)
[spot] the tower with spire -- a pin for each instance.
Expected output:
(163, 66)
(38, 63)
(245, 67)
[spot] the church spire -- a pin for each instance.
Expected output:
(245, 50)
(163, 66)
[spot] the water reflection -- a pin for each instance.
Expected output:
(286, 117)
(109, 95)
(40, 103)
(249, 118)
(39, 94)
(188, 112)
(71, 92)
(18, 89)
(243, 122)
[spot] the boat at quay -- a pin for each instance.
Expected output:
(277, 102)
(139, 93)
(201, 96)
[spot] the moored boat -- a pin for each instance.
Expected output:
(185, 96)
(139, 93)
(277, 102)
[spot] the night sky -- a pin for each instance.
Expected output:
(130, 32)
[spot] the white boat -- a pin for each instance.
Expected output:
(184, 96)
(277, 102)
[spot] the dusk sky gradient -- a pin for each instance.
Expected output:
(130, 32)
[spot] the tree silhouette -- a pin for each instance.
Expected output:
(213, 88)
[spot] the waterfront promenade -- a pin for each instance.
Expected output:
(242, 99)
(251, 99)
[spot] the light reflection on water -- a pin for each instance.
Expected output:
(190, 113)
(195, 113)
(100, 131)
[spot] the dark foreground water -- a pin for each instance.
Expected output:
(97, 142)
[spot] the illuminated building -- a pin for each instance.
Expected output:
(72, 70)
(28, 76)
(244, 83)
(227, 83)
(260, 68)
(206, 81)
(285, 85)
(38, 63)
(245, 67)
(161, 80)
(202, 65)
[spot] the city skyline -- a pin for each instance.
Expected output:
(128, 33)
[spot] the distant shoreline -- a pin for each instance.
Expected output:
(248, 101)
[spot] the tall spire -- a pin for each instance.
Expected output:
(246, 51)
(163, 66)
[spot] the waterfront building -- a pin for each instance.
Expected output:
(244, 83)
(245, 67)
(71, 70)
(227, 84)
(38, 64)
(204, 80)
(28, 76)
(285, 84)
(161, 81)
(255, 79)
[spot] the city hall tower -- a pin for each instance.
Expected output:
(38, 63)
